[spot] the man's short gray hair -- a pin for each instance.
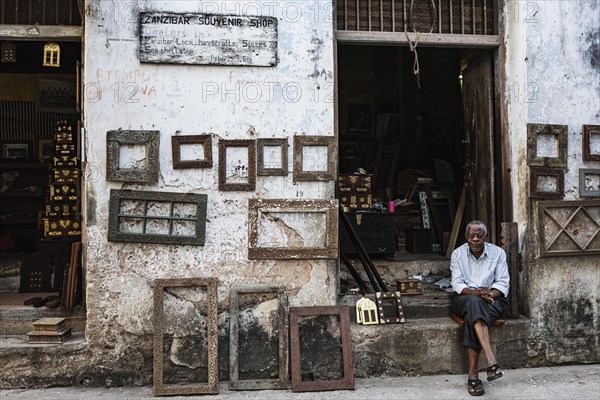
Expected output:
(476, 223)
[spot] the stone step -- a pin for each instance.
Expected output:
(18, 320)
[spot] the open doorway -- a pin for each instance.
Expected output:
(416, 157)
(40, 175)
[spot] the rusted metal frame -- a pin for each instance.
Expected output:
(588, 131)
(212, 386)
(260, 157)
(398, 318)
(323, 141)
(258, 206)
(583, 172)
(536, 173)
(361, 285)
(204, 140)
(244, 187)
(347, 381)
(377, 282)
(282, 314)
(509, 241)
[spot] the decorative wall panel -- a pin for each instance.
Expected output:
(569, 228)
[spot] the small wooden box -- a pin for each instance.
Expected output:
(356, 202)
(355, 184)
(408, 287)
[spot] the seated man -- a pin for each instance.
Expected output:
(480, 277)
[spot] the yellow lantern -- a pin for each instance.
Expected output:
(51, 55)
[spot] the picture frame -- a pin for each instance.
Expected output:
(204, 140)
(346, 382)
(585, 189)
(359, 119)
(237, 172)
(589, 132)
(15, 150)
(329, 173)
(558, 133)
(263, 161)
(396, 299)
(536, 174)
(160, 388)
(281, 382)
(265, 243)
(56, 93)
(44, 149)
(132, 173)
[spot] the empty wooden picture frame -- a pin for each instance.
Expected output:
(199, 154)
(546, 183)
(394, 300)
(280, 229)
(184, 300)
(280, 326)
(312, 165)
(237, 165)
(139, 163)
(547, 145)
(591, 142)
(589, 182)
(346, 382)
(272, 157)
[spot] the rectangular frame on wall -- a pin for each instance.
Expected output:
(560, 132)
(282, 313)
(568, 228)
(251, 168)
(347, 381)
(583, 174)
(535, 173)
(204, 140)
(212, 386)
(588, 131)
(260, 157)
(116, 139)
(258, 206)
(318, 141)
(115, 234)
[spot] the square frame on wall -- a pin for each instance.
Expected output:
(228, 168)
(537, 173)
(318, 141)
(588, 132)
(584, 176)
(262, 164)
(116, 139)
(559, 133)
(204, 140)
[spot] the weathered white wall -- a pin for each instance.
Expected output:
(295, 97)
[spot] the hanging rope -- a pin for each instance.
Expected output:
(413, 46)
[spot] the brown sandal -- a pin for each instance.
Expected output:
(493, 373)
(475, 387)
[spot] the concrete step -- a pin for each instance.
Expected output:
(18, 320)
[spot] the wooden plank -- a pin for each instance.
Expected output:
(424, 39)
(41, 32)
(509, 241)
(457, 223)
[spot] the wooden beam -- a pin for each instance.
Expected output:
(509, 241)
(81, 7)
(423, 39)
(42, 32)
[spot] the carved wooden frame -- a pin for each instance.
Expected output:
(282, 312)
(204, 140)
(582, 175)
(560, 131)
(587, 131)
(536, 173)
(243, 187)
(546, 220)
(115, 139)
(326, 141)
(398, 318)
(257, 206)
(212, 386)
(260, 159)
(116, 235)
(347, 382)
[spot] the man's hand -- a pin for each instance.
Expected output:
(485, 294)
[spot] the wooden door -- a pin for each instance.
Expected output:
(478, 108)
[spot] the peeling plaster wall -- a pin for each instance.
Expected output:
(293, 98)
(558, 74)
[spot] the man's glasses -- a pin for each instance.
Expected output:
(476, 235)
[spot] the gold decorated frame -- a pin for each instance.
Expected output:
(212, 386)
(258, 206)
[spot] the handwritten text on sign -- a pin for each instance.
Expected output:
(208, 39)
